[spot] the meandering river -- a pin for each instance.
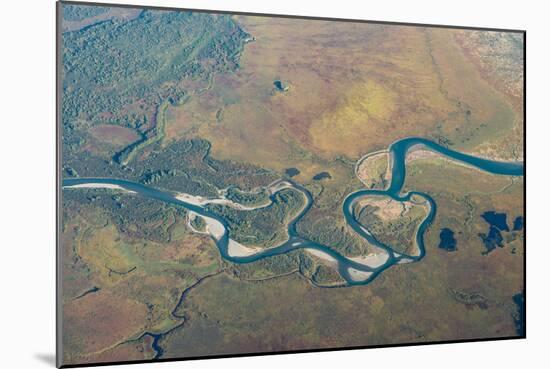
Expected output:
(355, 271)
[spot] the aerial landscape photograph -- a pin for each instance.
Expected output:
(239, 184)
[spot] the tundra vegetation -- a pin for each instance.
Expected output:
(219, 105)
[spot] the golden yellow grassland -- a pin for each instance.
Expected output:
(354, 88)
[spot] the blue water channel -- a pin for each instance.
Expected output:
(398, 151)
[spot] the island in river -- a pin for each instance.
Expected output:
(203, 204)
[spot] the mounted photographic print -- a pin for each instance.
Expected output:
(239, 184)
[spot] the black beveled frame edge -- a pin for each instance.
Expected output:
(59, 193)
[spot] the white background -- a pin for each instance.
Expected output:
(27, 206)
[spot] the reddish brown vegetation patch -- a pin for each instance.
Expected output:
(99, 320)
(114, 135)
(127, 352)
